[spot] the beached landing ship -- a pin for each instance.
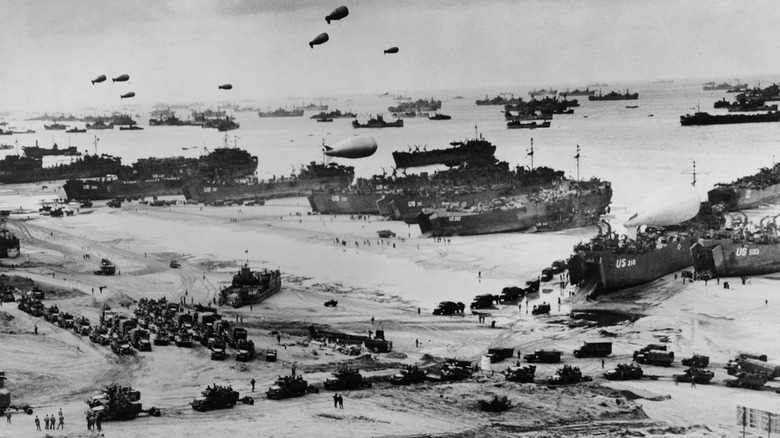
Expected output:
(15, 169)
(749, 191)
(610, 262)
(9, 244)
(567, 205)
(459, 153)
(250, 287)
(739, 252)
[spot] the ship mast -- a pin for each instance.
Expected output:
(95, 143)
(531, 153)
(578, 162)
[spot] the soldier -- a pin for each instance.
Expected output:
(98, 421)
(37, 423)
(336, 400)
(90, 422)
(61, 424)
(46, 422)
(341, 402)
(35, 328)
(253, 384)
(8, 417)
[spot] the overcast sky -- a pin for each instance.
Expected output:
(180, 50)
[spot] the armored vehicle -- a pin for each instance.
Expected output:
(521, 374)
(139, 337)
(216, 397)
(379, 344)
(331, 303)
(567, 375)
(121, 346)
(697, 375)
(65, 320)
(697, 361)
(410, 374)
(625, 372)
(747, 380)
(543, 356)
(346, 378)
(118, 403)
(183, 339)
(162, 338)
(246, 350)
(289, 386)
(82, 326)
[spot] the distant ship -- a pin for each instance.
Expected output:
(250, 287)
(310, 178)
(460, 152)
(281, 112)
(614, 96)
(578, 92)
(439, 116)
(336, 114)
(130, 128)
(700, 118)
(9, 244)
(38, 152)
(517, 124)
(739, 252)
(420, 105)
(749, 191)
(55, 127)
(566, 205)
(378, 122)
(712, 86)
(311, 107)
(498, 100)
(542, 92)
(15, 169)
(99, 124)
(75, 130)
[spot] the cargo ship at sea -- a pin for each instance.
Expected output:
(9, 244)
(701, 118)
(311, 107)
(418, 106)
(38, 152)
(577, 92)
(250, 287)
(55, 127)
(335, 114)
(281, 112)
(311, 178)
(743, 250)
(612, 95)
(749, 191)
(378, 122)
(567, 204)
(460, 152)
(164, 176)
(501, 99)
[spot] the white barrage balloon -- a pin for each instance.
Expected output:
(667, 206)
(358, 146)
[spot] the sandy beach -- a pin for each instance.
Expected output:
(372, 278)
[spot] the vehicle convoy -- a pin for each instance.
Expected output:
(121, 346)
(625, 372)
(747, 380)
(118, 403)
(482, 301)
(521, 374)
(696, 361)
(218, 349)
(139, 337)
(346, 378)
(408, 375)
(696, 375)
(218, 397)
(594, 349)
(289, 386)
(246, 350)
(543, 356)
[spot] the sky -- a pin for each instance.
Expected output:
(181, 50)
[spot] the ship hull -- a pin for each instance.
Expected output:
(205, 193)
(612, 271)
(728, 119)
(9, 248)
(729, 259)
(95, 189)
(734, 199)
(445, 157)
(568, 213)
(333, 203)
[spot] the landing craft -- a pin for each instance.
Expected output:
(337, 14)
(121, 78)
(358, 146)
(321, 38)
(127, 95)
(99, 79)
(226, 87)
(391, 50)
(668, 206)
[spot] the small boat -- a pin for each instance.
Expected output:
(325, 119)
(130, 128)
(55, 127)
(438, 116)
(516, 124)
(632, 106)
(76, 130)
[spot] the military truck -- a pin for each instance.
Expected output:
(7, 294)
(654, 357)
(162, 337)
(625, 372)
(696, 361)
(482, 301)
(594, 349)
(118, 403)
(448, 308)
(52, 314)
(408, 375)
(567, 375)
(270, 355)
(512, 293)
(543, 356)
(121, 346)
(81, 326)
(95, 332)
(183, 339)
(246, 350)
(747, 380)
(139, 338)
(695, 374)
(233, 336)
(346, 378)
(541, 309)
(547, 274)
(289, 386)
(499, 354)
(218, 349)
(521, 374)
(65, 320)
(216, 397)
(753, 366)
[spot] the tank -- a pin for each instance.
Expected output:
(696, 375)
(288, 386)
(216, 397)
(567, 375)
(410, 374)
(346, 378)
(625, 372)
(520, 374)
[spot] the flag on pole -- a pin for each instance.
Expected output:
(578, 152)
